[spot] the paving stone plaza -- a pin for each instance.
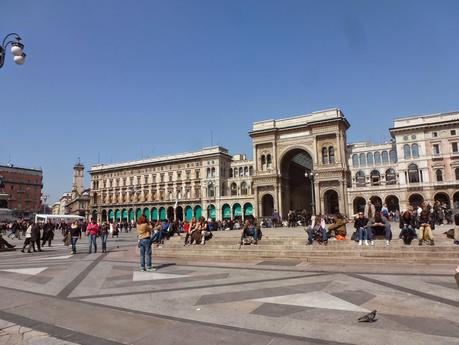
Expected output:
(56, 298)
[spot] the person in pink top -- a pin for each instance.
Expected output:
(92, 231)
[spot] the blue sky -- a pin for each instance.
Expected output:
(120, 80)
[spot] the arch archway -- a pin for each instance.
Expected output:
(131, 215)
(162, 213)
(456, 200)
(248, 210)
(179, 213)
(392, 203)
(188, 213)
(104, 215)
(331, 202)
(117, 215)
(415, 200)
(211, 212)
(237, 211)
(226, 211)
(376, 200)
(359, 204)
(197, 212)
(124, 215)
(170, 213)
(267, 205)
(154, 214)
(297, 189)
(138, 213)
(111, 215)
(443, 198)
(146, 213)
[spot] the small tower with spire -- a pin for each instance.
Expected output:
(78, 177)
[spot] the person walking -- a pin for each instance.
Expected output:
(92, 230)
(48, 233)
(35, 236)
(75, 234)
(144, 231)
(28, 240)
(104, 230)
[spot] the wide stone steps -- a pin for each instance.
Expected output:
(293, 247)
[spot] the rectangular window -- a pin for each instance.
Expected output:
(197, 173)
(434, 134)
(454, 147)
(436, 149)
(453, 132)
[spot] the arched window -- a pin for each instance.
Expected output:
(211, 190)
(246, 171)
(413, 173)
(391, 177)
(263, 162)
(360, 178)
(415, 150)
(324, 155)
(370, 158)
(362, 159)
(385, 157)
(269, 162)
(406, 151)
(231, 172)
(241, 172)
(377, 158)
(250, 170)
(456, 172)
(393, 156)
(355, 160)
(439, 175)
(213, 172)
(233, 189)
(375, 178)
(243, 188)
(208, 172)
(331, 155)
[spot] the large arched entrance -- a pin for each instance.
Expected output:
(267, 207)
(297, 193)
(415, 200)
(359, 204)
(456, 200)
(443, 198)
(104, 215)
(179, 213)
(376, 200)
(170, 213)
(331, 202)
(392, 203)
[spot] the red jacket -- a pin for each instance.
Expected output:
(92, 229)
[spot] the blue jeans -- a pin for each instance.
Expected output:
(310, 232)
(157, 237)
(92, 241)
(145, 251)
(250, 232)
(74, 241)
(363, 234)
(104, 242)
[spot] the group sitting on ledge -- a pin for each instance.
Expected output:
(197, 232)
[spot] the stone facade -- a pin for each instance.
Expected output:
(303, 162)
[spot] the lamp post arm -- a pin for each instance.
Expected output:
(18, 38)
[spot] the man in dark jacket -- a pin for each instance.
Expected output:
(48, 233)
(36, 236)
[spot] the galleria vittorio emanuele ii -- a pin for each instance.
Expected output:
(300, 163)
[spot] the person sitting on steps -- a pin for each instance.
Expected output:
(407, 226)
(360, 224)
(380, 223)
(338, 228)
(249, 229)
(317, 230)
(426, 225)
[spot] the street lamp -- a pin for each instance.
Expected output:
(17, 49)
(310, 175)
(44, 198)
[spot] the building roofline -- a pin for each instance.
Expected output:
(21, 168)
(212, 150)
(410, 117)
